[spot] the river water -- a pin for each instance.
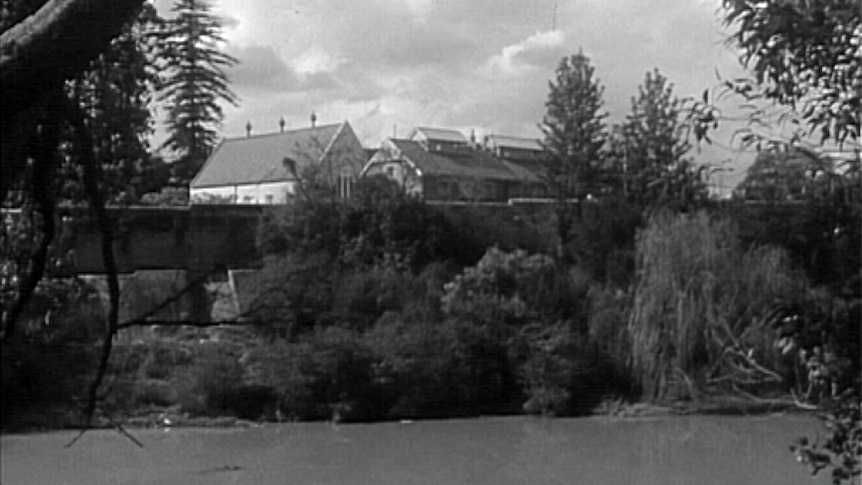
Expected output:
(702, 450)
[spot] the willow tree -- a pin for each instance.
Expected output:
(195, 84)
(575, 133)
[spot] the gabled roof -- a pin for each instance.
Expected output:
(472, 163)
(438, 134)
(517, 142)
(260, 158)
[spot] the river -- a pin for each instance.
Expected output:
(705, 450)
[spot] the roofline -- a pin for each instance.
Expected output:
(295, 130)
(401, 158)
(260, 182)
(420, 128)
(332, 141)
(209, 159)
(192, 183)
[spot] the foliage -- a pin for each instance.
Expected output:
(514, 288)
(176, 196)
(116, 96)
(563, 373)
(363, 293)
(822, 338)
(603, 239)
(61, 307)
(700, 305)
(574, 132)
(794, 174)
(195, 82)
(326, 375)
(651, 147)
(841, 449)
(574, 126)
(216, 371)
(96, 121)
(422, 368)
(804, 55)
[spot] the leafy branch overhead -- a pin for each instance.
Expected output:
(805, 55)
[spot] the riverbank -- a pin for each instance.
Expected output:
(174, 417)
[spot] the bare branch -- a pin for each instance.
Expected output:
(92, 174)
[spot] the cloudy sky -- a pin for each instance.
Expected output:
(387, 66)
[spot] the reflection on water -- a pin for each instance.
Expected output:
(516, 450)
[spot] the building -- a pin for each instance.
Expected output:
(442, 165)
(267, 169)
(516, 149)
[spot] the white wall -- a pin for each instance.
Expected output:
(265, 193)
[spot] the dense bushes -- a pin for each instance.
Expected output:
(365, 310)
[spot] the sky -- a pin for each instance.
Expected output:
(387, 66)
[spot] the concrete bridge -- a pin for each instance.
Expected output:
(161, 251)
(197, 238)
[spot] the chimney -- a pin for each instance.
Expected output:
(313, 118)
(281, 124)
(248, 129)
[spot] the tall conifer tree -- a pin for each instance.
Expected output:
(575, 133)
(652, 148)
(195, 84)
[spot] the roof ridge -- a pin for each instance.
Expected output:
(281, 133)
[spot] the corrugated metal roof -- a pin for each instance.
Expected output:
(520, 143)
(439, 134)
(260, 158)
(469, 163)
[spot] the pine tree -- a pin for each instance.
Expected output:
(195, 84)
(574, 127)
(651, 151)
(575, 133)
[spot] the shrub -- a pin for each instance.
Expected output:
(563, 373)
(421, 368)
(513, 288)
(326, 375)
(214, 375)
(610, 309)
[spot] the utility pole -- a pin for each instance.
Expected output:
(554, 22)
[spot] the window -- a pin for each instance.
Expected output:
(345, 185)
(390, 171)
(269, 198)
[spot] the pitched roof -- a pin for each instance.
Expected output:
(260, 158)
(470, 163)
(439, 134)
(520, 143)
